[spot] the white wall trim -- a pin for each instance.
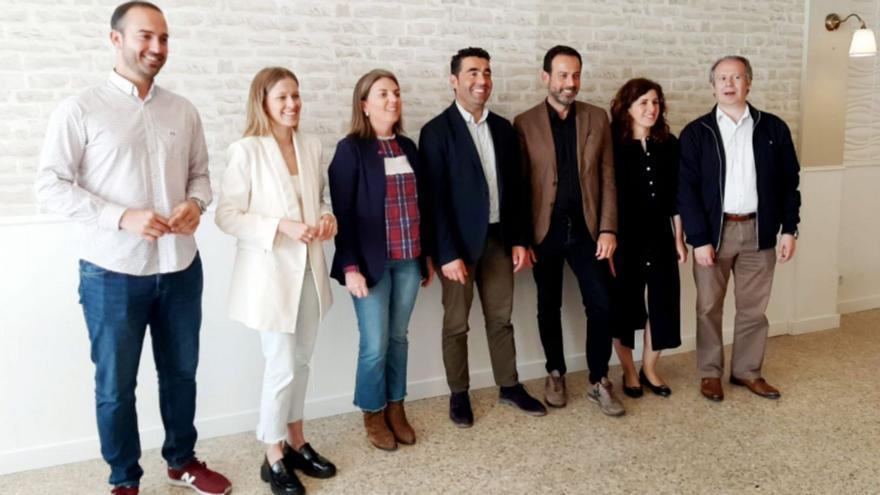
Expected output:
(823, 168)
(861, 164)
(90, 448)
(814, 324)
(859, 304)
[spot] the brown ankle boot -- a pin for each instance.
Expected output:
(377, 431)
(396, 418)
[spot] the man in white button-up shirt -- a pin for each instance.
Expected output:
(738, 189)
(128, 160)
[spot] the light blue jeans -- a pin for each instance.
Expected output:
(383, 322)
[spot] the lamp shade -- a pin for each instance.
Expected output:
(864, 44)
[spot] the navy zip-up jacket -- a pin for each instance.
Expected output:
(702, 173)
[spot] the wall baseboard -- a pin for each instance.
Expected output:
(858, 304)
(89, 448)
(814, 324)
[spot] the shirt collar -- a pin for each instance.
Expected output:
(470, 118)
(554, 116)
(127, 86)
(721, 116)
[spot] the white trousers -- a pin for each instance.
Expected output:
(288, 357)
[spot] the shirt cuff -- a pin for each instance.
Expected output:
(110, 216)
(351, 269)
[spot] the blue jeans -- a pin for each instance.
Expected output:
(118, 308)
(383, 321)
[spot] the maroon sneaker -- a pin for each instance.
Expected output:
(124, 490)
(196, 475)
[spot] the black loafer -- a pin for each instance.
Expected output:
(281, 480)
(308, 461)
(661, 390)
(634, 392)
(460, 409)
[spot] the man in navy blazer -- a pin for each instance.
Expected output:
(482, 228)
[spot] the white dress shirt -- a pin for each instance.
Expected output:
(482, 136)
(107, 150)
(740, 178)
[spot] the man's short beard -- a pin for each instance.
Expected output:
(557, 96)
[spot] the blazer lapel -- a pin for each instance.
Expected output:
(498, 143)
(582, 119)
(546, 146)
(283, 188)
(306, 163)
(464, 138)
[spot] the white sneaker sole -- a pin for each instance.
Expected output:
(606, 412)
(191, 487)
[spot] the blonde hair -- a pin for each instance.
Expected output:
(360, 124)
(258, 122)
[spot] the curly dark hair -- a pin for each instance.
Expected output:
(629, 93)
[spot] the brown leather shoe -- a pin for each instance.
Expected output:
(395, 416)
(758, 386)
(711, 389)
(554, 390)
(377, 431)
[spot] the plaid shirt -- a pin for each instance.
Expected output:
(401, 204)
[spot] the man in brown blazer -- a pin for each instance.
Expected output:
(567, 153)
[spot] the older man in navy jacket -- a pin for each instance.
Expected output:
(481, 219)
(738, 188)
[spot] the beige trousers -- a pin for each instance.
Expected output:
(753, 278)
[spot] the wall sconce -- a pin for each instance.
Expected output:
(863, 42)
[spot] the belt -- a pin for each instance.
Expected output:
(730, 217)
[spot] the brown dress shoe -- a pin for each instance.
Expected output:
(711, 389)
(758, 386)
(395, 416)
(377, 431)
(554, 390)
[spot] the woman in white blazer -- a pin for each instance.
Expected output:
(274, 200)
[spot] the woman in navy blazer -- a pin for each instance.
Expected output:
(381, 249)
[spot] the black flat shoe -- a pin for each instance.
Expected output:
(634, 392)
(308, 461)
(662, 390)
(281, 480)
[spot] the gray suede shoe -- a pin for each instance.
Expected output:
(554, 390)
(601, 394)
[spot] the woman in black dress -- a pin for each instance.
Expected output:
(650, 238)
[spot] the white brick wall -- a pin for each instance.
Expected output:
(50, 49)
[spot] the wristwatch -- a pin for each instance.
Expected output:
(201, 204)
